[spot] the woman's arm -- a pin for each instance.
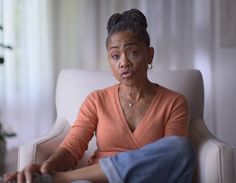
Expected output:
(70, 151)
(177, 123)
(61, 160)
(91, 173)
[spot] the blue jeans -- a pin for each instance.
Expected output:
(168, 160)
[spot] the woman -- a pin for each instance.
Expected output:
(141, 127)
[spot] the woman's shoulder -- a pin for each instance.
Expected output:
(169, 93)
(104, 92)
(97, 97)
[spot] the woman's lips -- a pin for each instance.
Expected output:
(126, 74)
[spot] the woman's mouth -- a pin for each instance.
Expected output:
(126, 74)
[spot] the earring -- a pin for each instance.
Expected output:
(149, 66)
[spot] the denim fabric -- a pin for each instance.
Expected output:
(168, 160)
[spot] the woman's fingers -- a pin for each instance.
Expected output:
(26, 175)
(46, 167)
(21, 177)
(10, 176)
(29, 171)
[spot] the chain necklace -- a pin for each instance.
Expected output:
(132, 103)
(129, 100)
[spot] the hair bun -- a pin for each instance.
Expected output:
(114, 19)
(133, 15)
(132, 21)
(136, 16)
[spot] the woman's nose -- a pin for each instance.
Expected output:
(125, 62)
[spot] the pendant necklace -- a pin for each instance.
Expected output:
(132, 103)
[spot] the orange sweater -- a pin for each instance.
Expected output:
(101, 113)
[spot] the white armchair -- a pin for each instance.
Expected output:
(216, 160)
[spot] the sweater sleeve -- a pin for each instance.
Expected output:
(81, 132)
(177, 123)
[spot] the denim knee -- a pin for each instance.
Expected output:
(170, 159)
(185, 156)
(182, 147)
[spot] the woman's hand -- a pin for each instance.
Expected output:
(26, 175)
(60, 161)
(23, 176)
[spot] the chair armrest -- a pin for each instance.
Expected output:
(215, 163)
(42, 148)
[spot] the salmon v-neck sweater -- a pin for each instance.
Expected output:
(102, 113)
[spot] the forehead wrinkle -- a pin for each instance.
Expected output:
(124, 45)
(122, 39)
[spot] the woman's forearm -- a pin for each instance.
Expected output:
(92, 173)
(61, 160)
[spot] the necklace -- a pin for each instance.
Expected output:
(131, 99)
(132, 103)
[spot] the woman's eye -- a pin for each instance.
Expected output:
(115, 57)
(133, 53)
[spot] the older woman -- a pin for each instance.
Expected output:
(141, 127)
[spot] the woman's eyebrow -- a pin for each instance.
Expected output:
(131, 44)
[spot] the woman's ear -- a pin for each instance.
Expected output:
(150, 54)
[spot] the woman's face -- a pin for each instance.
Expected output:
(128, 58)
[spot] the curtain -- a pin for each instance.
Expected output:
(50, 35)
(181, 34)
(27, 74)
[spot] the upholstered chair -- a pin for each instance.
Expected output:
(215, 159)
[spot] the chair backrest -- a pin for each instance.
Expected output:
(74, 85)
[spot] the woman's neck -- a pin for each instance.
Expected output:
(136, 92)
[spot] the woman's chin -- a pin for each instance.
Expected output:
(129, 82)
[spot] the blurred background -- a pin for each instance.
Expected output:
(38, 38)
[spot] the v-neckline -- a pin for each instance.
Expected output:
(122, 115)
